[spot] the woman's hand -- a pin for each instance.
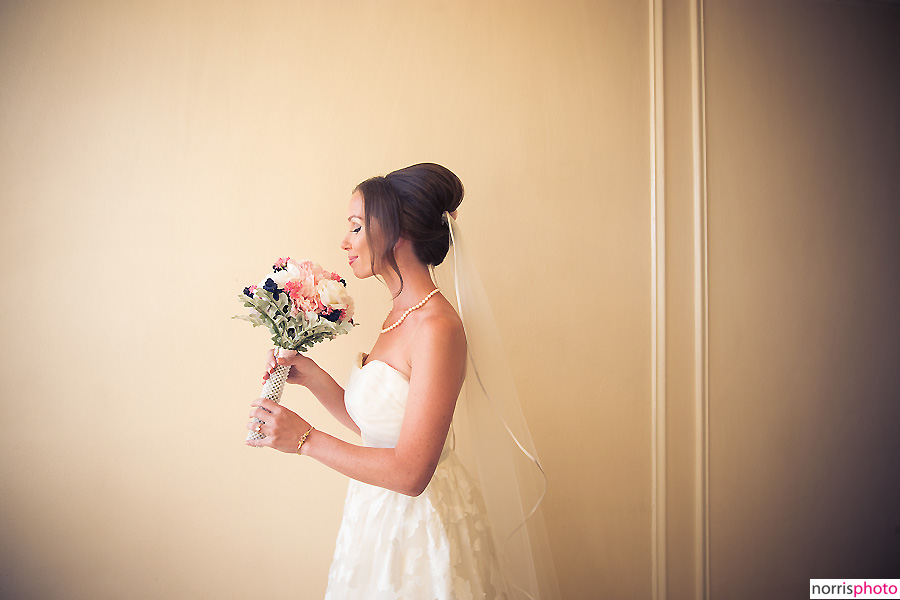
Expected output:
(302, 367)
(282, 427)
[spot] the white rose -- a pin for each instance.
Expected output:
(334, 295)
(280, 278)
(293, 272)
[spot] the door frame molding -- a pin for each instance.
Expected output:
(701, 297)
(658, 304)
(700, 302)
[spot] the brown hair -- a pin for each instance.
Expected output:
(410, 203)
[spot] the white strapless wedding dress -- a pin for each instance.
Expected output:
(435, 546)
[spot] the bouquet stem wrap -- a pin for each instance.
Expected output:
(272, 390)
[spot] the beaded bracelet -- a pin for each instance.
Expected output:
(303, 439)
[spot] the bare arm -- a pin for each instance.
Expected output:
(438, 369)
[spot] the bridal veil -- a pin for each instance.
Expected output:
(493, 439)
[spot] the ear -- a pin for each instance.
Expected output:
(403, 249)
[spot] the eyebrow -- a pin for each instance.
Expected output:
(354, 217)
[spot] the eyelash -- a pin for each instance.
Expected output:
(356, 230)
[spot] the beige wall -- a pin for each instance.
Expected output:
(717, 422)
(156, 155)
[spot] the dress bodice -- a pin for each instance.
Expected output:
(376, 401)
(375, 398)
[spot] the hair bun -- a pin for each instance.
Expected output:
(411, 203)
(426, 191)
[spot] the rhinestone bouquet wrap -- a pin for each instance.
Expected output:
(272, 389)
(301, 304)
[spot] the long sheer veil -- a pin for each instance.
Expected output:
(492, 437)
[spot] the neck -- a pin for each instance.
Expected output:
(417, 284)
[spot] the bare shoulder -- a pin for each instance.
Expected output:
(440, 334)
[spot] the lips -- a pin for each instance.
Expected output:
(352, 259)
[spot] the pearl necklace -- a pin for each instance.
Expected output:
(412, 308)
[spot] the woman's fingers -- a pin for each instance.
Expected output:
(285, 356)
(265, 403)
(270, 363)
(259, 413)
(281, 426)
(257, 443)
(279, 357)
(261, 418)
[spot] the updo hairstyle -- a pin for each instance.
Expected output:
(410, 203)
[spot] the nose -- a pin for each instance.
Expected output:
(345, 245)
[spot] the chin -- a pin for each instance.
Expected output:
(360, 275)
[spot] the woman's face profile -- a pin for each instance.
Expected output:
(355, 243)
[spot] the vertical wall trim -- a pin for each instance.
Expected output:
(701, 299)
(658, 304)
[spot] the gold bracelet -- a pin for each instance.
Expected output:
(303, 439)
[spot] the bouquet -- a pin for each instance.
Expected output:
(301, 304)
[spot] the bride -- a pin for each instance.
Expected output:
(415, 525)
